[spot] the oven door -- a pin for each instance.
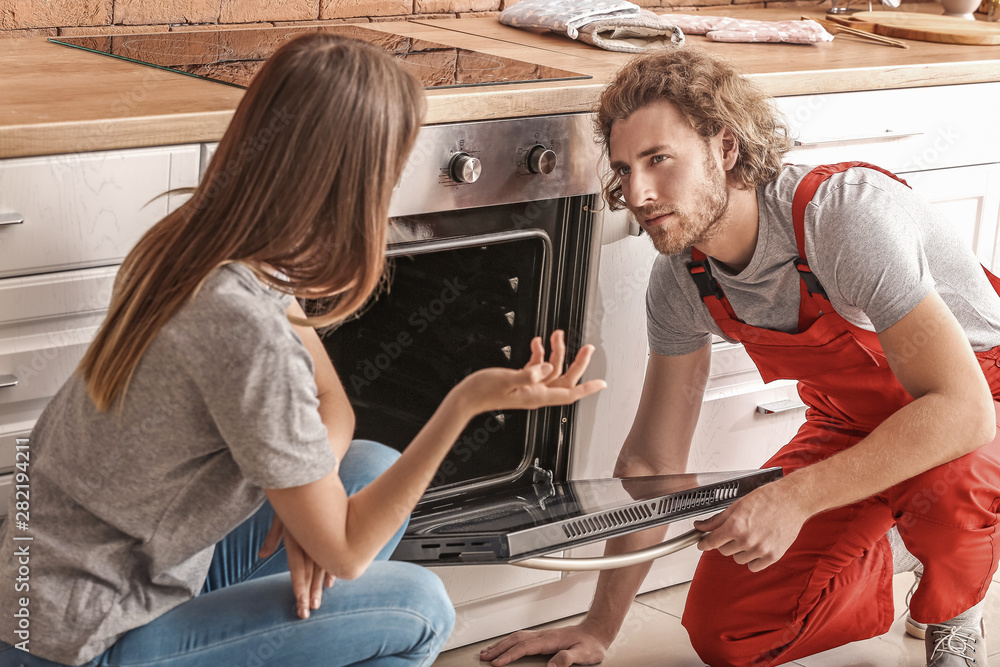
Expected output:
(518, 525)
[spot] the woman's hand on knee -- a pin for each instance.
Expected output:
(308, 578)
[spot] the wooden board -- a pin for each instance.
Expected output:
(931, 28)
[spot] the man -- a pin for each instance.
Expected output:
(846, 281)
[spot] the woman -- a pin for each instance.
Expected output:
(207, 391)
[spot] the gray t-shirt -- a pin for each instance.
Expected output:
(126, 507)
(876, 247)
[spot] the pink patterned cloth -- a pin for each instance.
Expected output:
(726, 29)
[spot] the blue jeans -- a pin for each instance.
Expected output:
(394, 615)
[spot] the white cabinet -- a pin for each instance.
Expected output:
(934, 138)
(970, 198)
(85, 209)
(72, 220)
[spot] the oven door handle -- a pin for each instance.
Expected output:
(612, 562)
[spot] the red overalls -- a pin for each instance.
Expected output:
(834, 585)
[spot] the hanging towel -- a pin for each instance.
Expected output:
(632, 34)
(565, 16)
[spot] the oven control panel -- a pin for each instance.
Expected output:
(486, 163)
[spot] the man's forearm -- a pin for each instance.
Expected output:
(931, 431)
(616, 589)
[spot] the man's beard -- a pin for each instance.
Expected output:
(685, 229)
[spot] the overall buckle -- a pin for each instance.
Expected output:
(701, 273)
(809, 278)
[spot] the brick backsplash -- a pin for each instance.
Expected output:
(32, 14)
(23, 18)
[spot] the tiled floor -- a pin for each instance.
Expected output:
(653, 637)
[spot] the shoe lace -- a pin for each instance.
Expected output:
(958, 641)
(913, 588)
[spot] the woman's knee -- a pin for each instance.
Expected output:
(364, 461)
(421, 595)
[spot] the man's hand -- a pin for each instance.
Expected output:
(574, 645)
(757, 529)
(308, 579)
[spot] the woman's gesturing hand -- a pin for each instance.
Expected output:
(538, 384)
(308, 578)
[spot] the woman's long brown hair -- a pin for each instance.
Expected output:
(300, 184)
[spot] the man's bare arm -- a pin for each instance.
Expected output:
(952, 414)
(658, 443)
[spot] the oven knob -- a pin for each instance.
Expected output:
(465, 168)
(541, 160)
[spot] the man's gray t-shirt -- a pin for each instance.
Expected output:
(877, 248)
(126, 507)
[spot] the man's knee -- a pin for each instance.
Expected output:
(728, 623)
(950, 493)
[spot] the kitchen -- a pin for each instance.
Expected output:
(842, 96)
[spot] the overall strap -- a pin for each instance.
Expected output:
(708, 288)
(813, 298)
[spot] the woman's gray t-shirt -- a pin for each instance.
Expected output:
(126, 506)
(877, 248)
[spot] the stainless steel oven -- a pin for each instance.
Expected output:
(490, 246)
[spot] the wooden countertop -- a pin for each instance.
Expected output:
(58, 100)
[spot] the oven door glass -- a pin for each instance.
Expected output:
(451, 308)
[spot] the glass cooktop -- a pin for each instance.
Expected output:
(234, 56)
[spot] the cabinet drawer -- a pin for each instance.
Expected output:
(55, 294)
(903, 130)
(41, 359)
(85, 209)
(733, 435)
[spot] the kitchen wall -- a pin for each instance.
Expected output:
(22, 18)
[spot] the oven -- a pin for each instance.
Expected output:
(488, 248)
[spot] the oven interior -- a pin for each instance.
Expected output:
(457, 302)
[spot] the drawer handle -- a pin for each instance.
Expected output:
(554, 563)
(11, 218)
(8, 381)
(780, 406)
(888, 134)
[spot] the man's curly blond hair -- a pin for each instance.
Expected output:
(710, 94)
